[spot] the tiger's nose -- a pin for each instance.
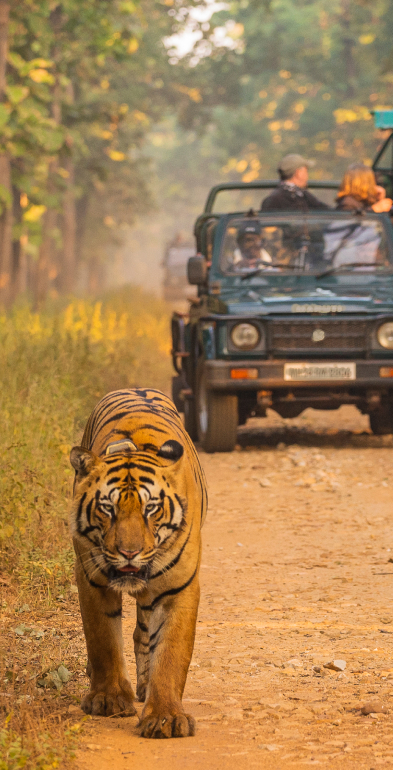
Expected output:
(128, 554)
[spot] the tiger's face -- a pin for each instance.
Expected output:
(127, 507)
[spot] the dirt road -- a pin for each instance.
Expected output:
(297, 572)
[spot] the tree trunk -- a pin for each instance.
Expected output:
(67, 256)
(81, 209)
(19, 256)
(68, 266)
(5, 171)
(81, 217)
(45, 272)
(96, 276)
(20, 284)
(47, 266)
(6, 221)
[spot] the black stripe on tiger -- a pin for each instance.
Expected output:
(172, 563)
(154, 638)
(142, 626)
(136, 525)
(170, 592)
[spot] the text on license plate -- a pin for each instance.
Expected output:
(328, 371)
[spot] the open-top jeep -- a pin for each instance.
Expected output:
(309, 325)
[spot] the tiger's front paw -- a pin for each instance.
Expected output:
(167, 725)
(110, 701)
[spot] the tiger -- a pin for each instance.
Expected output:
(139, 504)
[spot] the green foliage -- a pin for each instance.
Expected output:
(93, 83)
(292, 77)
(85, 82)
(308, 73)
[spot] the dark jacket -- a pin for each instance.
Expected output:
(349, 203)
(291, 198)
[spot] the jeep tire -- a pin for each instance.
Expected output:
(381, 420)
(217, 416)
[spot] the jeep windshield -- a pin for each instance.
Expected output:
(315, 244)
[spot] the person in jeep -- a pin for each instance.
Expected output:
(250, 254)
(359, 191)
(291, 194)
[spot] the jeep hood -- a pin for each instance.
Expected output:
(374, 298)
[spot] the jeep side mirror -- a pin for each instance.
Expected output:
(197, 270)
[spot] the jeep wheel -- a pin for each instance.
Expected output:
(381, 421)
(190, 419)
(217, 415)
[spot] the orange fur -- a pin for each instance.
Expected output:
(136, 522)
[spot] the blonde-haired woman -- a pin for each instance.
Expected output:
(359, 190)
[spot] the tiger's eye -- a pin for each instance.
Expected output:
(108, 510)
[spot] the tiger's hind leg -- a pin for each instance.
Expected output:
(141, 648)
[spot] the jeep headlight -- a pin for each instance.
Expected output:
(246, 336)
(385, 335)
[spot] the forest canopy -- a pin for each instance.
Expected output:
(90, 92)
(303, 77)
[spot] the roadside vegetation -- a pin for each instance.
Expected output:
(54, 366)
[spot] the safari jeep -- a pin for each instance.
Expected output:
(304, 318)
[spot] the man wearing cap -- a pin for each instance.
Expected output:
(291, 194)
(250, 255)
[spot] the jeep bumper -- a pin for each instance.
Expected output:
(235, 376)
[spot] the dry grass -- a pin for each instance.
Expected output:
(54, 366)
(40, 725)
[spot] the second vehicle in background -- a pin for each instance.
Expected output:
(175, 283)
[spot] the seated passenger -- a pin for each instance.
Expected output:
(250, 255)
(359, 190)
(291, 194)
(348, 242)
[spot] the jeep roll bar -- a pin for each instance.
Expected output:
(384, 119)
(261, 185)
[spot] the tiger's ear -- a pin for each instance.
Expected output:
(82, 460)
(171, 450)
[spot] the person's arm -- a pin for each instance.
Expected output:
(380, 191)
(382, 206)
(347, 203)
(265, 256)
(314, 203)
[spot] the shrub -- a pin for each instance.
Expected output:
(54, 366)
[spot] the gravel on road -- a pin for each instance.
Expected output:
(293, 656)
